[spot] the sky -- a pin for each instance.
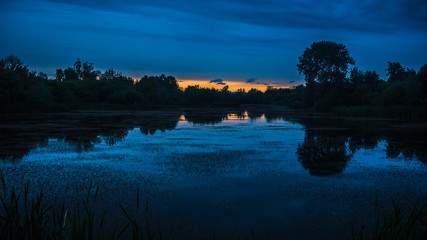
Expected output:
(240, 43)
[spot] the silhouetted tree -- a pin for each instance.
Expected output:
(422, 78)
(422, 74)
(13, 63)
(88, 72)
(42, 75)
(366, 87)
(70, 74)
(403, 87)
(195, 95)
(13, 75)
(254, 96)
(59, 75)
(159, 89)
(395, 72)
(225, 89)
(324, 62)
(78, 68)
(110, 75)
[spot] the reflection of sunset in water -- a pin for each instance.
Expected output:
(230, 117)
(237, 116)
(232, 85)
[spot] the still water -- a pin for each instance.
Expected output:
(282, 173)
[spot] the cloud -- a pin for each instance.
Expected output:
(262, 38)
(360, 15)
(291, 81)
(218, 81)
(251, 80)
(255, 81)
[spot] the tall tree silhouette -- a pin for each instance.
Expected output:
(395, 72)
(78, 68)
(70, 74)
(422, 78)
(324, 62)
(88, 72)
(59, 75)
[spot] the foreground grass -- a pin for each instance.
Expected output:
(399, 223)
(23, 216)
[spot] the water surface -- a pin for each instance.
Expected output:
(283, 173)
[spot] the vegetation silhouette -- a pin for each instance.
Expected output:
(324, 65)
(332, 85)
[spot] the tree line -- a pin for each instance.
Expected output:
(80, 86)
(332, 84)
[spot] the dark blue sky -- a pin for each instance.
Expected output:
(236, 40)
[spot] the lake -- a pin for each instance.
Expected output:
(280, 172)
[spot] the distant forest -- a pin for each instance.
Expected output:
(332, 85)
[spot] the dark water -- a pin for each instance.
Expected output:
(283, 173)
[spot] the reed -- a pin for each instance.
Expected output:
(25, 217)
(399, 223)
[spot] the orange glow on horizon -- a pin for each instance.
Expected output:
(232, 85)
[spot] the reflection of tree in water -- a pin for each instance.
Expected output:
(14, 145)
(254, 115)
(149, 125)
(241, 115)
(115, 137)
(88, 131)
(204, 117)
(81, 131)
(323, 155)
(82, 143)
(358, 142)
(213, 116)
(408, 145)
(327, 140)
(274, 116)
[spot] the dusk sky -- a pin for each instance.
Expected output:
(236, 42)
